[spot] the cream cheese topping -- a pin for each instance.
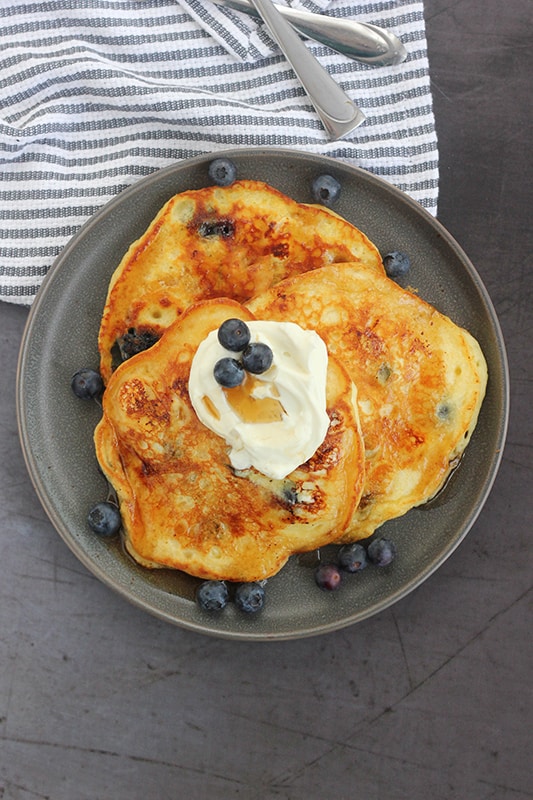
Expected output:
(274, 421)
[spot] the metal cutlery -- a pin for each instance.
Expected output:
(361, 41)
(338, 112)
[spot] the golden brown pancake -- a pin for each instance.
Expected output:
(234, 241)
(420, 379)
(183, 506)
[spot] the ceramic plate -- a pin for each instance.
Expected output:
(56, 428)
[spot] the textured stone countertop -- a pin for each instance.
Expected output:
(429, 699)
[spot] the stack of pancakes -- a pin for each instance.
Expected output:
(404, 385)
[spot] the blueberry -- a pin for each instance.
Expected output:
(396, 264)
(135, 341)
(381, 552)
(212, 595)
(222, 171)
(444, 411)
(225, 228)
(87, 384)
(328, 577)
(104, 519)
(234, 334)
(257, 357)
(249, 597)
(326, 190)
(290, 493)
(228, 372)
(352, 557)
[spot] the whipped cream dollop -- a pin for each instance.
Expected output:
(276, 420)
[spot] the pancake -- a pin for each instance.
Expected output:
(233, 241)
(183, 506)
(420, 379)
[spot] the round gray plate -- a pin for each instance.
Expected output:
(56, 428)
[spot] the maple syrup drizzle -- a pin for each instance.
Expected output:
(253, 409)
(211, 407)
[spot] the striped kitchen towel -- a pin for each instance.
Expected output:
(95, 94)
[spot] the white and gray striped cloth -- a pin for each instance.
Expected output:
(95, 94)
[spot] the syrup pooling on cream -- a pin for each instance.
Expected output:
(273, 421)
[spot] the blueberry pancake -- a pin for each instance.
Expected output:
(234, 241)
(420, 379)
(183, 504)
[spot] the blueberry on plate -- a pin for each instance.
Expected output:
(234, 335)
(326, 190)
(328, 577)
(222, 171)
(104, 519)
(396, 264)
(249, 597)
(212, 595)
(87, 384)
(381, 552)
(257, 358)
(352, 557)
(228, 372)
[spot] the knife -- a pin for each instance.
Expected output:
(361, 41)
